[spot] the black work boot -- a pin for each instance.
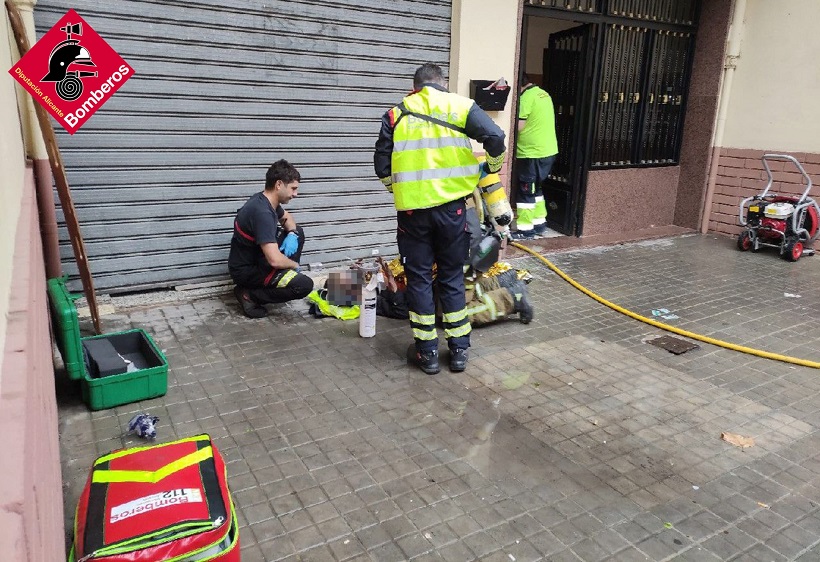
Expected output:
(522, 303)
(250, 307)
(428, 361)
(458, 359)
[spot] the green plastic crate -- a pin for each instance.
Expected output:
(150, 380)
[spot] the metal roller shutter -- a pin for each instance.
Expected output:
(219, 94)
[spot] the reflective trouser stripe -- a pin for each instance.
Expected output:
(457, 332)
(425, 334)
(526, 216)
(455, 317)
(286, 278)
(435, 174)
(540, 214)
(440, 142)
(424, 326)
(423, 319)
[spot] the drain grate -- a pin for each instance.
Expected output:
(673, 345)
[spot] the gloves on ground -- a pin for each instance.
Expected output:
(290, 244)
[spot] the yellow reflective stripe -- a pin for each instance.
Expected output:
(126, 452)
(491, 305)
(435, 174)
(425, 335)
(453, 317)
(495, 162)
(457, 332)
(435, 142)
(286, 278)
(152, 477)
(423, 319)
(473, 310)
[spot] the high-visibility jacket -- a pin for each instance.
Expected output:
(432, 160)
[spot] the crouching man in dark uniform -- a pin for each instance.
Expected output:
(267, 244)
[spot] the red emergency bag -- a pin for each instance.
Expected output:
(165, 502)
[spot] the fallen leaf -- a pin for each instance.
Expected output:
(737, 440)
(763, 505)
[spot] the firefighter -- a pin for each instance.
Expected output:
(425, 159)
(267, 244)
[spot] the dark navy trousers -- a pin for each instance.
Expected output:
(436, 236)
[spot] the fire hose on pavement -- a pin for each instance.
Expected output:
(667, 327)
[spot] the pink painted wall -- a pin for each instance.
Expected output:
(31, 501)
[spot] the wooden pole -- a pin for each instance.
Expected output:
(57, 170)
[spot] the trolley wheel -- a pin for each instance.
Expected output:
(793, 250)
(744, 241)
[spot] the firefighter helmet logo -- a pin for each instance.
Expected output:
(66, 54)
(81, 70)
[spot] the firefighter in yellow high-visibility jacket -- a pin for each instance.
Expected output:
(425, 159)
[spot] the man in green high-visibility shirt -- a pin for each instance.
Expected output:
(534, 156)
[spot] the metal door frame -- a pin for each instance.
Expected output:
(593, 72)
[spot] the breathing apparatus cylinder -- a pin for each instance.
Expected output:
(495, 200)
(367, 314)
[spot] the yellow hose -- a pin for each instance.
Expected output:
(667, 327)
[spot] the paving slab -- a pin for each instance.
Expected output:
(570, 438)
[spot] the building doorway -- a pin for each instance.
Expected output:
(555, 56)
(618, 77)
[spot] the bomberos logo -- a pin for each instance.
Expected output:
(79, 70)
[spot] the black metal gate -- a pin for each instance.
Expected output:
(638, 119)
(564, 72)
(619, 86)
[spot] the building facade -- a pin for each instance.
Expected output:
(663, 118)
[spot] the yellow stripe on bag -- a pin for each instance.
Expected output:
(152, 477)
(126, 452)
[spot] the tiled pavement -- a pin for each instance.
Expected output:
(566, 439)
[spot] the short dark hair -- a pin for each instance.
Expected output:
(281, 170)
(428, 72)
(525, 79)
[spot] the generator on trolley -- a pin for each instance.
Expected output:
(786, 222)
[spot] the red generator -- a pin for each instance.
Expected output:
(166, 502)
(788, 223)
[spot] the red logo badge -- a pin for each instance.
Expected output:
(71, 71)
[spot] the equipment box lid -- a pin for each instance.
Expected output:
(66, 326)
